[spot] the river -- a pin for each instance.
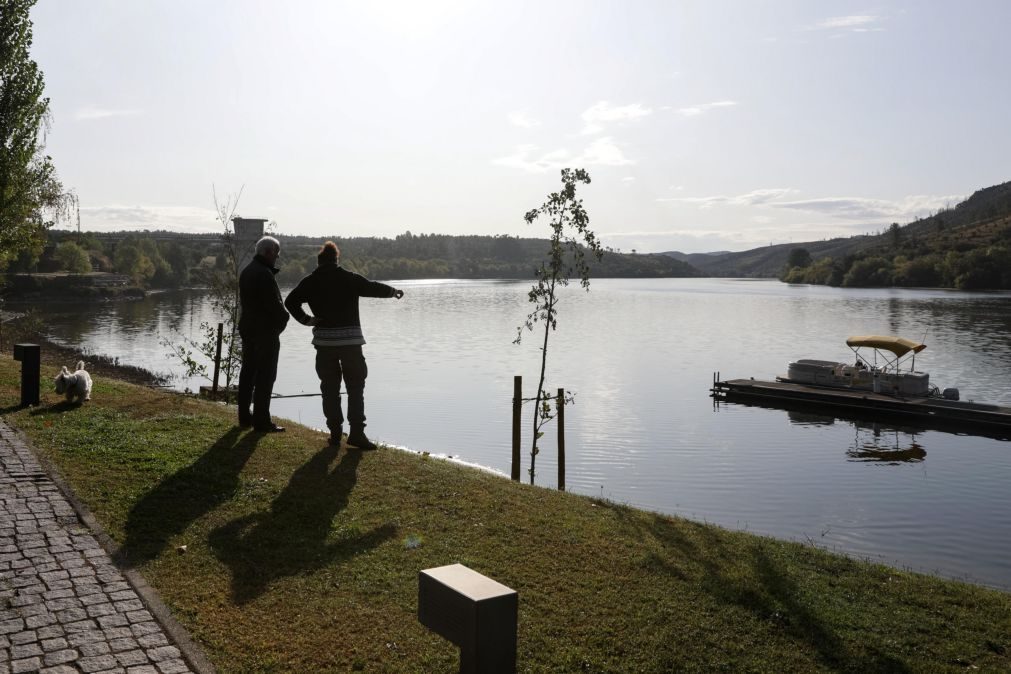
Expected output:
(640, 356)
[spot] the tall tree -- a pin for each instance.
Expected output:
(30, 194)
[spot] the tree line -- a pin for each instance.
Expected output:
(966, 247)
(172, 260)
(915, 265)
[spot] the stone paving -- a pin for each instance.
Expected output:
(64, 606)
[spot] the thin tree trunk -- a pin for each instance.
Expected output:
(540, 383)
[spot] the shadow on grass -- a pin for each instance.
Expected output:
(181, 498)
(769, 593)
(295, 536)
(55, 408)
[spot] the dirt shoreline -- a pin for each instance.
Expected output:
(99, 364)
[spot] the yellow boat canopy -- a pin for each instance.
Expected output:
(896, 345)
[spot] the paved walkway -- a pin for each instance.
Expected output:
(64, 606)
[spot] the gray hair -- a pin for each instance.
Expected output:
(267, 243)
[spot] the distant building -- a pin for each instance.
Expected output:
(247, 232)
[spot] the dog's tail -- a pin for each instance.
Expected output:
(80, 365)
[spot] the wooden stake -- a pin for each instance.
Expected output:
(561, 439)
(517, 417)
(217, 364)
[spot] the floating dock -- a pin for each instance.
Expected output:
(966, 416)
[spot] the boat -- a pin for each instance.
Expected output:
(889, 369)
(881, 382)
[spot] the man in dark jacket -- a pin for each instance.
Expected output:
(332, 294)
(261, 322)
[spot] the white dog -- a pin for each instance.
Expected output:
(76, 385)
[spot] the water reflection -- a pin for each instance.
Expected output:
(881, 443)
(799, 418)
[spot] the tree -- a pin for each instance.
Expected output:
(799, 257)
(197, 354)
(73, 258)
(131, 259)
(870, 272)
(31, 197)
(895, 232)
(566, 256)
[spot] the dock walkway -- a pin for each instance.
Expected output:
(968, 415)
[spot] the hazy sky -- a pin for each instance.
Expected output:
(705, 125)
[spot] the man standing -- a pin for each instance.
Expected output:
(332, 293)
(261, 322)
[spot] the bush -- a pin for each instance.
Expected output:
(921, 272)
(871, 272)
(73, 258)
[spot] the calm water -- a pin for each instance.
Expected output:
(640, 356)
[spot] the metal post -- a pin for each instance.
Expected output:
(217, 364)
(517, 416)
(561, 439)
(30, 356)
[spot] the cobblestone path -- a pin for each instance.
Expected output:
(64, 606)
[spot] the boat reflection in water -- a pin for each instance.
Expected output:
(872, 441)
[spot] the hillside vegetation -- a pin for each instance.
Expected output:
(966, 247)
(162, 259)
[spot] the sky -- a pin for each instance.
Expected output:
(705, 125)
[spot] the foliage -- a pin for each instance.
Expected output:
(799, 257)
(73, 258)
(870, 271)
(133, 258)
(31, 197)
(566, 257)
(967, 247)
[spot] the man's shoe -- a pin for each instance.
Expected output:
(245, 420)
(335, 438)
(270, 428)
(360, 441)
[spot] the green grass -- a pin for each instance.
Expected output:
(303, 558)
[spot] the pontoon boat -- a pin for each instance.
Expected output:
(883, 371)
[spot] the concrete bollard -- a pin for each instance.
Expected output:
(474, 612)
(30, 356)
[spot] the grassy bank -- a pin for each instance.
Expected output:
(300, 557)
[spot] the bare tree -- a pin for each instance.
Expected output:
(197, 355)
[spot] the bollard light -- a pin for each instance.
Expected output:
(474, 612)
(30, 356)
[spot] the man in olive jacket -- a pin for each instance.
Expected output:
(262, 320)
(332, 293)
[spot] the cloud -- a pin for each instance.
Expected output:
(695, 110)
(601, 152)
(752, 198)
(92, 112)
(848, 208)
(603, 113)
(171, 218)
(859, 208)
(855, 23)
(704, 239)
(521, 119)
